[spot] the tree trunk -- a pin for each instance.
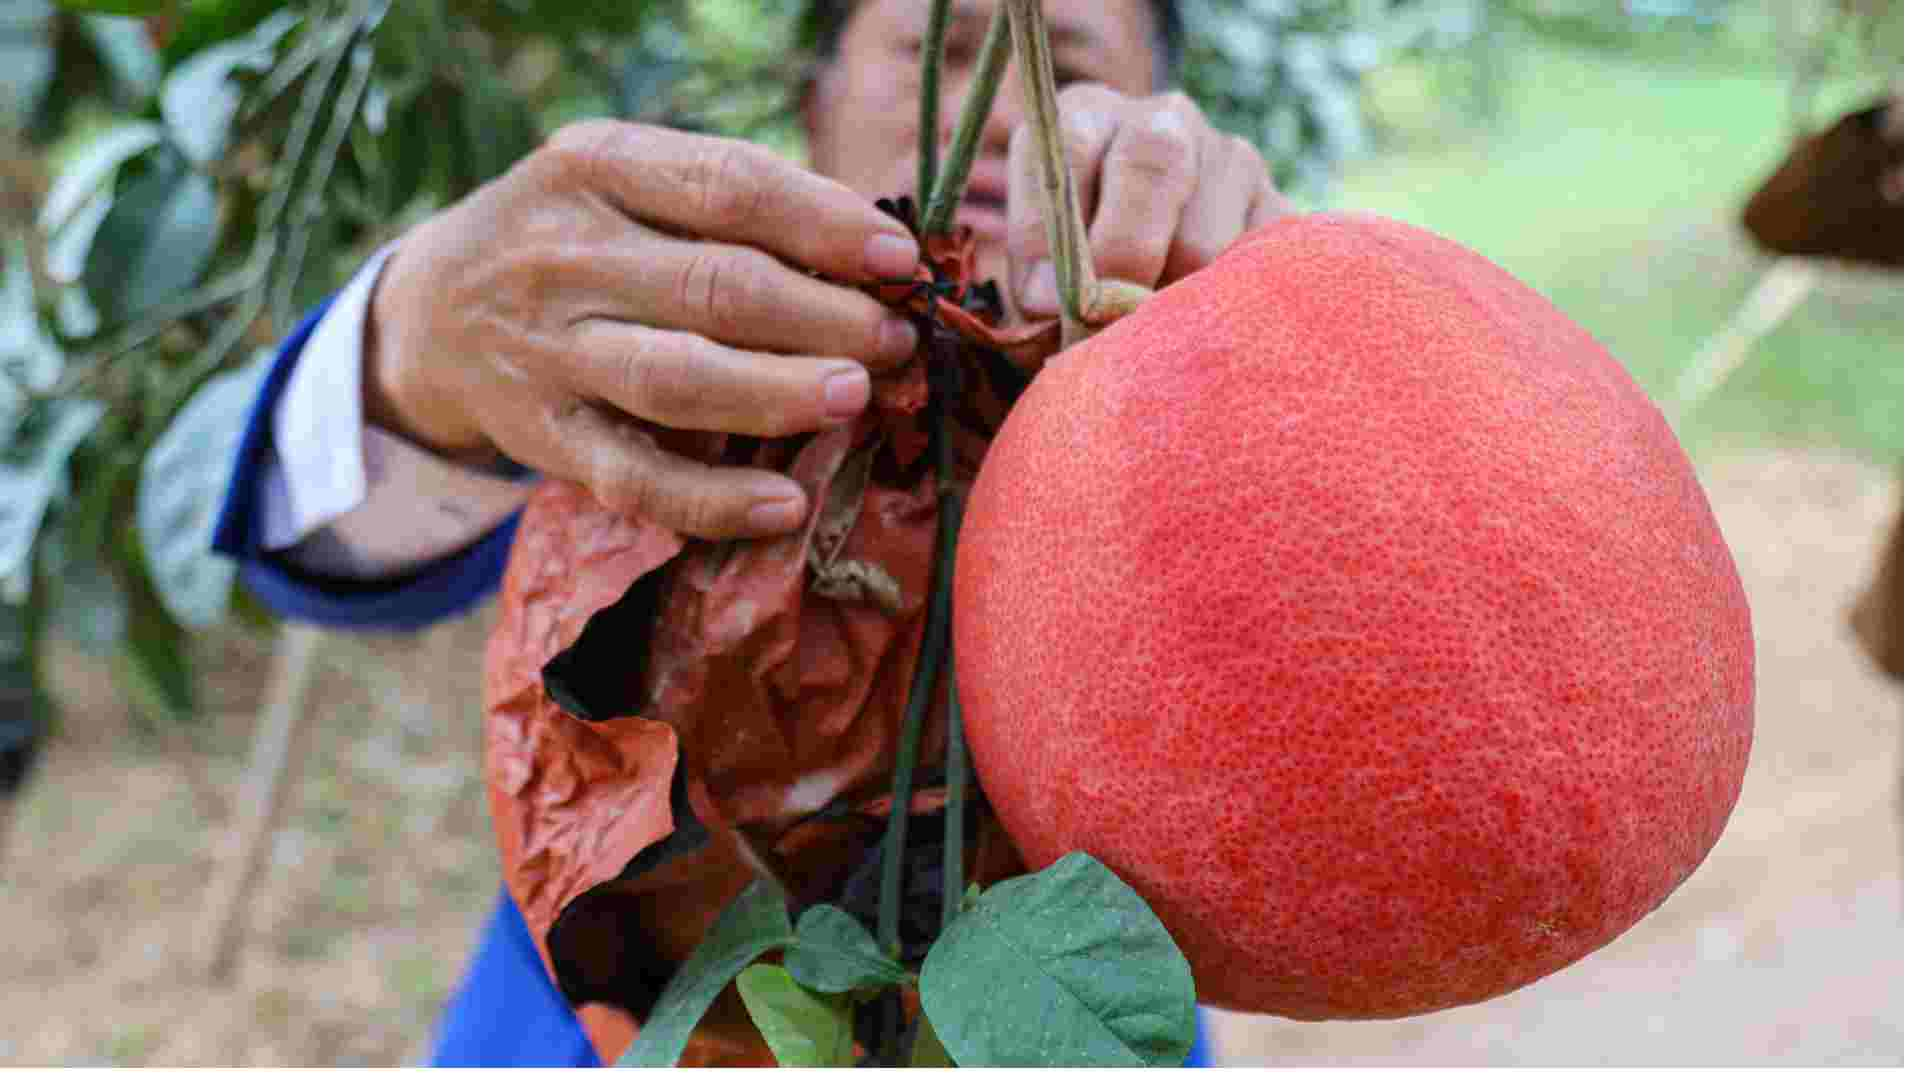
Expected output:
(277, 742)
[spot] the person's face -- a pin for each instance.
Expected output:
(863, 115)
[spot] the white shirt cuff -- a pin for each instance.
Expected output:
(347, 499)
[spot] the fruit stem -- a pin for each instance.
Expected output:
(933, 655)
(954, 849)
(1066, 233)
(988, 70)
(933, 51)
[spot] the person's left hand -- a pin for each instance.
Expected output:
(1165, 192)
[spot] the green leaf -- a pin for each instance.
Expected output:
(25, 710)
(93, 167)
(927, 1051)
(1064, 967)
(27, 60)
(206, 22)
(118, 7)
(89, 607)
(33, 471)
(153, 667)
(199, 99)
(754, 923)
(833, 953)
(74, 314)
(182, 482)
(67, 249)
(29, 359)
(126, 50)
(155, 240)
(804, 1030)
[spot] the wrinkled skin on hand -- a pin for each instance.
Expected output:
(771, 683)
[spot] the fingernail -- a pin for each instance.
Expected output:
(890, 255)
(898, 338)
(782, 514)
(845, 392)
(1042, 294)
(778, 504)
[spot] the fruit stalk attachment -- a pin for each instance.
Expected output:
(1066, 232)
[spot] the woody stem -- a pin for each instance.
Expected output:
(933, 50)
(981, 88)
(1066, 232)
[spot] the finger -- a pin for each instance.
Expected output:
(744, 297)
(1089, 117)
(1148, 182)
(1217, 214)
(627, 470)
(1271, 206)
(731, 190)
(686, 381)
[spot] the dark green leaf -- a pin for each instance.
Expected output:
(754, 923)
(833, 953)
(89, 607)
(24, 707)
(26, 60)
(33, 470)
(153, 667)
(182, 482)
(118, 7)
(127, 52)
(804, 1030)
(205, 22)
(155, 240)
(1064, 967)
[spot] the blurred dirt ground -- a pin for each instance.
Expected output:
(1784, 948)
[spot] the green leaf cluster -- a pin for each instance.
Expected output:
(1064, 967)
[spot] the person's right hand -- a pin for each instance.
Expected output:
(624, 276)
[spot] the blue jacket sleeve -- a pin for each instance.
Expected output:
(438, 591)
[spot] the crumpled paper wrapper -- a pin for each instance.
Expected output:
(745, 698)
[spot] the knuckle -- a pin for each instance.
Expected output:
(695, 509)
(628, 485)
(703, 509)
(1181, 103)
(714, 283)
(735, 183)
(1155, 152)
(581, 148)
(1245, 154)
(623, 489)
(665, 377)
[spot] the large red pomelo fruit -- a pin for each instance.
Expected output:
(1357, 608)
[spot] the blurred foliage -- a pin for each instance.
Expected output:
(180, 179)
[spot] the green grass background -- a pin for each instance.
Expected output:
(1612, 181)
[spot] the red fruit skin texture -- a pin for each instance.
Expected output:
(1357, 608)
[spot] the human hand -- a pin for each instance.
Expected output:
(625, 276)
(1172, 192)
